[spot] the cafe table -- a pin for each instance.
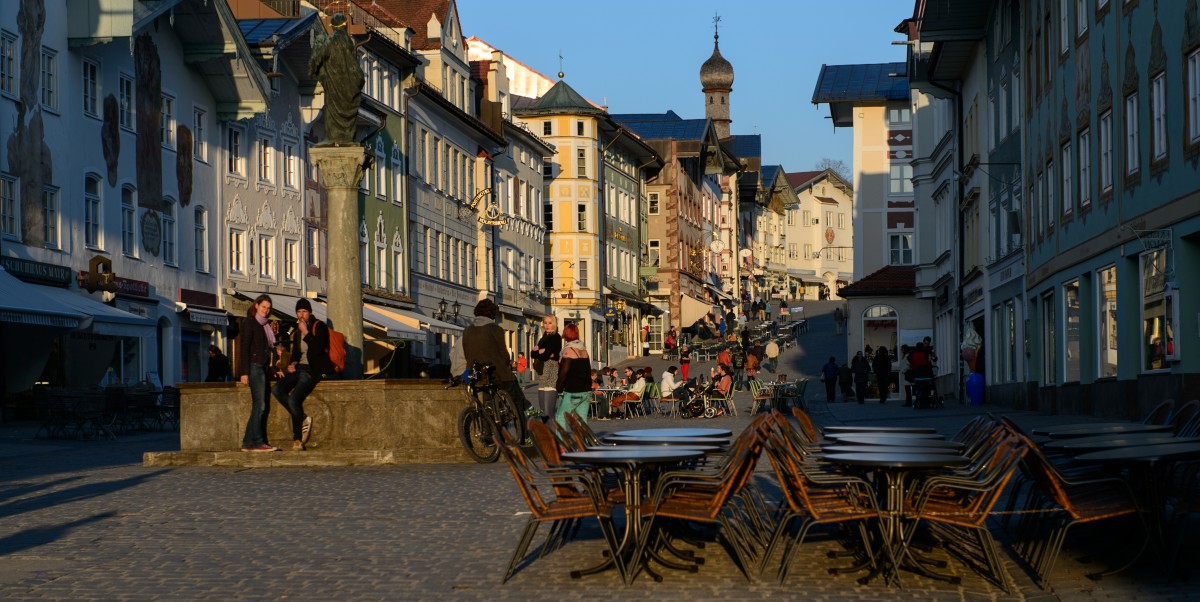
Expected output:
(1149, 472)
(634, 465)
(677, 432)
(686, 442)
(1108, 442)
(707, 448)
(893, 441)
(895, 468)
(603, 395)
(865, 428)
(1071, 431)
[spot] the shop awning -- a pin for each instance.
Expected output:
(22, 303)
(394, 326)
(693, 309)
(105, 320)
(203, 315)
(434, 325)
(286, 305)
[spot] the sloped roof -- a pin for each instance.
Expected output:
(746, 145)
(637, 117)
(562, 98)
(259, 31)
(415, 14)
(800, 178)
(897, 280)
(842, 83)
(682, 129)
(769, 172)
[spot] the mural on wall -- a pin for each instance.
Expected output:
(28, 155)
(110, 137)
(183, 165)
(148, 99)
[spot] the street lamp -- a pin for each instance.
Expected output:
(441, 313)
(456, 308)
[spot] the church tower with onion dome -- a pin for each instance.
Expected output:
(716, 80)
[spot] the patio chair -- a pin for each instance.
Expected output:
(809, 501)
(651, 397)
(1161, 413)
(562, 497)
(1181, 417)
(761, 396)
(1056, 504)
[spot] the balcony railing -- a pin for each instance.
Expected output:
(364, 19)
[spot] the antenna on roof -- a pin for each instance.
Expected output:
(560, 64)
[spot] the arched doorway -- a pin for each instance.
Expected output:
(880, 327)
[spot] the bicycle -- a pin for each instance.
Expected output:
(491, 413)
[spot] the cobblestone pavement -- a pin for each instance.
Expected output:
(85, 521)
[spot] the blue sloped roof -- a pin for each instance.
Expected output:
(746, 145)
(635, 117)
(680, 129)
(769, 172)
(839, 83)
(257, 31)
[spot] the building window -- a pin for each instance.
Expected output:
(50, 217)
(397, 270)
(841, 222)
(548, 275)
(1081, 17)
(1107, 333)
(901, 249)
(655, 253)
(9, 219)
(791, 217)
(1156, 333)
(578, 128)
(581, 162)
(8, 63)
(806, 218)
(49, 79)
(91, 212)
(200, 240)
(168, 231)
(899, 117)
(828, 219)
(1049, 341)
(1068, 194)
(547, 167)
(1064, 26)
(1051, 186)
(581, 217)
(127, 108)
(808, 252)
(1106, 156)
(1071, 358)
(290, 165)
(233, 147)
(91, 88)
(313, 246)
(237, 251)
(200, 134)
(653, 203)
(266, 256)
(166, 129)
(1193, 96)
(583, 274)
(381, 267)
(900, 181)
(1158, 119)
(128, 221)
(1131, 134)
(1085, 168)
(265, 164)
(547, 129)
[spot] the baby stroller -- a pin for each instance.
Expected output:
(924, 394)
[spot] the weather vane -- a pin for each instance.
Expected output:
(716, 25)
(560, 64)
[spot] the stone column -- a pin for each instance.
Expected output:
(341, 169)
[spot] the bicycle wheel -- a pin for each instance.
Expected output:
(508, 417)
(476, 435)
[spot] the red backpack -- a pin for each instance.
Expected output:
(337, 350)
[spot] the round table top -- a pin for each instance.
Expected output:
(896, 435)
(897, 460)
(683, 441)
(637, 456)
(1143, 453)
(866, 429)
(892, 441)
(655, 447)
(677, 432)
(1106, 442)
(1068, 431)
(875, 449)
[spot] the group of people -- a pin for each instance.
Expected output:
(295, 362)
(917, 362)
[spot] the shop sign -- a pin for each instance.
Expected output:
(35, 271)
(135, 288)
(192, 297)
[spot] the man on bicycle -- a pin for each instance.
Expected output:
(483, 342)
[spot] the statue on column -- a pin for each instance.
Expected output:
(334, 62)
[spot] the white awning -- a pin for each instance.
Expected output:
(105, 320)
(394, 326)
(203, 315)
(434, 325)
(22, 303)
(692, 309)
(286, 305)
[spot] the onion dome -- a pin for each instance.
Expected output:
(716, 72)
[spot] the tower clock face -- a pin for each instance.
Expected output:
(829, 235)
(717, 246)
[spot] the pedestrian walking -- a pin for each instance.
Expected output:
(846, 381)
(772, 353)
(545, 361)
(882, 365)
(574, 378)
(685, 360)
(862, 373)
(838, 318)
(829, 375)
(522, 367)
(737, 361)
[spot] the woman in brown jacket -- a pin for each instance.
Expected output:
(256, 343)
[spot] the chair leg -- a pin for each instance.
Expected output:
(522, 545)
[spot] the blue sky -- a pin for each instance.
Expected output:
(645, 56)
